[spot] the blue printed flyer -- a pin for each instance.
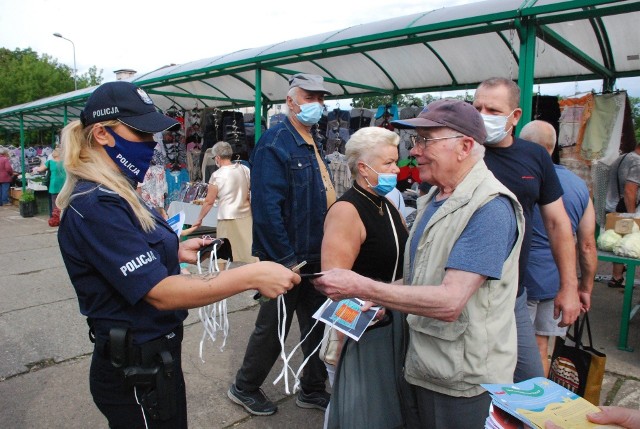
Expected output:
(176, 222)
(539, 400)
(346, 316)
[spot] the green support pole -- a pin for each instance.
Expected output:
(608, 84)
(24, 167)
(257, 121)
(65, 118)
(525, 74)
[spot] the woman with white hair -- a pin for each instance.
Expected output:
(230, 185)
(364, 231)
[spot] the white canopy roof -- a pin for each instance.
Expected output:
(541, 41)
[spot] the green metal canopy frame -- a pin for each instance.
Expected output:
(454, 48)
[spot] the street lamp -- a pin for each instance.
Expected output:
(75, 70)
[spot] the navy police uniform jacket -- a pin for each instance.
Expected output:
(113, 263)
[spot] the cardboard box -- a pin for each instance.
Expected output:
(15, 194)
(612, 218)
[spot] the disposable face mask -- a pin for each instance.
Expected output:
(133, 158)
(310, 113)
(494, 124)
(386, 182)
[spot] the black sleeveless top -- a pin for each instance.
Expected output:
(378, 253)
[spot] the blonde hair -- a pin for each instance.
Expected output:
(363, 144)
(82, 160)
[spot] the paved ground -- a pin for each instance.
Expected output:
(45, 353)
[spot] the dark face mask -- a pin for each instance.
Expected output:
(133, 158)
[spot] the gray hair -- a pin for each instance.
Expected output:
(222, 149)
(363, 144)
(4, 151)
(477, 151)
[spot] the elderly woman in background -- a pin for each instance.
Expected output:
(6, 176)
(364, 231)
(230, 185)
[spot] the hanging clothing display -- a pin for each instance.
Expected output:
(250, 127)
(338, 122)
(340, 172)
(175, 179)
(571, 119)
(628, 142)
(409, 112)
(604, 128)
(360, 118)
(409, 173)
(385, 114)
(193, 165)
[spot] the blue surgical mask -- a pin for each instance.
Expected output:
(310, 113)
(386, 182)
(494, 124)
(133, 158)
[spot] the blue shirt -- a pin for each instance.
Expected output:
(526, 169)
(113, 263)
(542, 279)
(485, 243)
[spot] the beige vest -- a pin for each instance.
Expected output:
(453, 358)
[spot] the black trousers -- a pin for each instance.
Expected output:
(118, 402)
(264, 347)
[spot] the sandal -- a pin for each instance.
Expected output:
(616, 283)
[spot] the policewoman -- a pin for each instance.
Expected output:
(124, 262)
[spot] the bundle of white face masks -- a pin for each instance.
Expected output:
(286, 368)
(213, 316)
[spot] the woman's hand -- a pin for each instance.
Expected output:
(188, 250)
(273, 279)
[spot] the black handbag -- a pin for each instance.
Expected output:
(577, 366)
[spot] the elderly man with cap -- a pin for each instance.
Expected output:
(460, 273)
(291, 191)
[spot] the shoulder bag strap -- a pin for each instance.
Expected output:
(620, 194)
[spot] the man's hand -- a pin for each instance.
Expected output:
(585, 301)
(567, 304)
(338, 284)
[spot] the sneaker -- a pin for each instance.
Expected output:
(255, 402)
(317, 400)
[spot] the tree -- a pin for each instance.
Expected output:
(25, 76)
(635, 115)
(403, 100)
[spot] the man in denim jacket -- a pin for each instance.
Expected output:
(291, 191)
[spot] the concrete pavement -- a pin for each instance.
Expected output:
(45, 352)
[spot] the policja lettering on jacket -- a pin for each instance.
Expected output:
(136, 263)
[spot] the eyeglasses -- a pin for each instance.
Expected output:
(422, 142)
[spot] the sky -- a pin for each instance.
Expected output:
(145, 35)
